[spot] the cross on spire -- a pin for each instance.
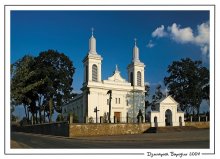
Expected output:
(116, 68)
(135, 41)
(92, 29)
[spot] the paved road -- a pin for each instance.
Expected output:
(190, 139)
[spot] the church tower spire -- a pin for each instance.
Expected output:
(92, 43)
(135, 52)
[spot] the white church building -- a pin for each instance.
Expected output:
(127, 96)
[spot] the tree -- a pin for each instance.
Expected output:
(58, 70)
(156, 97)
(60, 118)
(140, 116)
(147, 89)
(23, 84)
(42, 83)
(147, 102)
(188, 83)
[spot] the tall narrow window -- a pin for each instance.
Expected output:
(139, 78)
(94, 73)
(86, 73)
(131, 79)
(118, 100)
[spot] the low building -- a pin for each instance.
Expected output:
(166, 113)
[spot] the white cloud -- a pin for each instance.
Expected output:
(202, 39)
(203, 34)
(147, 83)
(150, 44)
(183, 35)
(159, 32)
(199, 37)
(204, 49)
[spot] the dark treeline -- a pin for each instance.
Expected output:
(42, 84)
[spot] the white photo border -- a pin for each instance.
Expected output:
(7, 11)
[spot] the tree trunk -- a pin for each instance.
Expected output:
(44, 115)
(28, 116)
(50, 107)
(33, 119)
(36, 117)
(198, 110)
(25, 110)
(40, 115)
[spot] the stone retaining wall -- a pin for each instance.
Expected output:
(58, 129)
(78, 129)
(106, 129)
(198, 124)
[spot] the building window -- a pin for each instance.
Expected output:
(131, 79)
(117, 100)
(127, 102)
(94, 73)
(139, 78)
(86, 73)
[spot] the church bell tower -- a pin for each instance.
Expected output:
(92, 63)
(136, 69)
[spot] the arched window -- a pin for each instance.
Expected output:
(139, 78)
(94, 73)
(131, 79)
(86, 74)
(180, 119)
(155, 121)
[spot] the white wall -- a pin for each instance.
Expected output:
(167, 104)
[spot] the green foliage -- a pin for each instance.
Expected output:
(140, 115)
(147, 90)
(37, 80)
(188, 83)
(156, 97)
(57, 70)
(24, 122)
(74, 117)
(23, 83)
(60, 118)
(91, 120)
(14, 118)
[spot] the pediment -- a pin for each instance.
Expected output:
(116, 77)
(168, 100)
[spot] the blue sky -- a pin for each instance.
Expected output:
(162, 37)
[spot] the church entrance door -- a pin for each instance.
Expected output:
(168, 117)
(118, 116)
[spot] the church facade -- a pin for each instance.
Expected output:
(110, 99)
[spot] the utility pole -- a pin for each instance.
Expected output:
(110, 99)
(96, 111)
